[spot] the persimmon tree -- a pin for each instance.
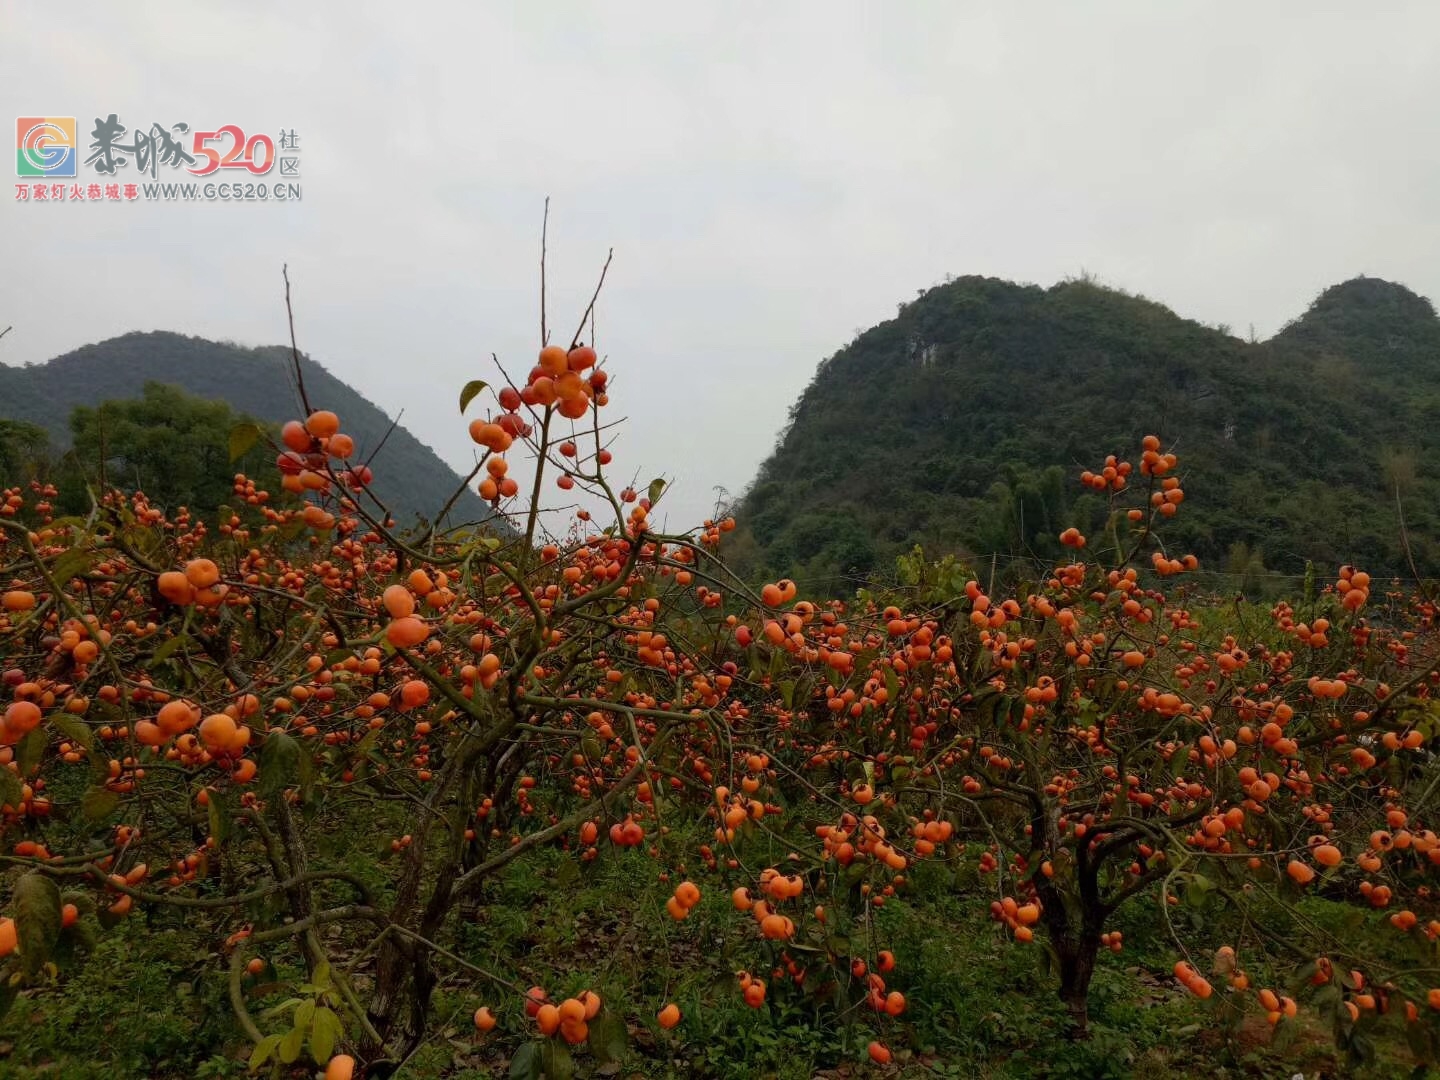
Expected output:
(193, 709)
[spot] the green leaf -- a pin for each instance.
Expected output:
(804, 691)
(323, 1032)
(98, 803)
(567, 873)
(11, 789)
(657, 488)
(555, 1059)
(168, 648)
(1017, 711)
(892, 686)
(321, 978)
(77, 938)
(291, 1044)
(219, 818)
(144, 540)
(275, 1010)
(467, 394)
(985, 707)
(31, 750)
(242, 438)
(73, 728)
(263, 1049)
(787, 693)
(84, 901)
(306, 773)
(607, 1036)
(107, 919)
(75, 561)
(37, 919)
(1328, 997)
(304, 1014)
(279, 762)
(525, 1065)
(1180, 761)
(69, 522)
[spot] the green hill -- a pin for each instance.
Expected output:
(963, 423)
(409, 477)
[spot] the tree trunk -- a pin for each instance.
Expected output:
(1077, 967)
(391, 967)
(399, 1006)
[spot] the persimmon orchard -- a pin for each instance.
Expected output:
(193, 705)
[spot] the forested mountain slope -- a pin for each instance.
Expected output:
(962, 423)
(409, 476)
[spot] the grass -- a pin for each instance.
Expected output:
(150, 1003)
(144, 1005)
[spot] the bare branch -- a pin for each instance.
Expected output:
(295, 349)
(544, 231)
(385, 438)
(590, 307)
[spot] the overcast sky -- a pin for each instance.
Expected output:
(772, 177)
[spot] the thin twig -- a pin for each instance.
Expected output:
(385, 438)
(590, 307)
(544, 230)
(411, 935)
(294, 349)
(464, 487)
(1405, 542)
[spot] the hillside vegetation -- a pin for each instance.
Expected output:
(982, 397)
(409, 476)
